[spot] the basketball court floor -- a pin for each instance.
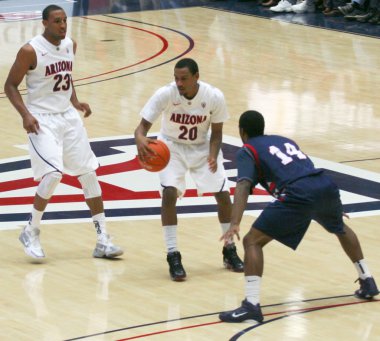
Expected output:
(315, 79)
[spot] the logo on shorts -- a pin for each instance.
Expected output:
(129, 192)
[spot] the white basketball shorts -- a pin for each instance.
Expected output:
(61, 145)
(192, 158)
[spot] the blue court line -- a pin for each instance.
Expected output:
(151, 211)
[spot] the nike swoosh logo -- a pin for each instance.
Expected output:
(238, 315)
(44, 54)
(176, 104)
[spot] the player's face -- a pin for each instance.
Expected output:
(187, 83)
(56, 25)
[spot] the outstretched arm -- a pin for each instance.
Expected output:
(242, 192)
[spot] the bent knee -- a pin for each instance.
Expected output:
(256, 238)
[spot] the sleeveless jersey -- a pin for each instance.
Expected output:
(186, 121)
(278, 161)
(49, 84)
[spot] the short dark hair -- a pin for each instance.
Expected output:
(50, 8)
(189, 63)
(252, 122)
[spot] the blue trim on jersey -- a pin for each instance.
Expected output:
(43, 159)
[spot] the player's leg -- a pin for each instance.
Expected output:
(170, 225)
(80, 160)
(173, 185)
(351, 246)
(284, 221)
(29, 236)
(253, 242)
(329, 215)
(46, 160)
(216, 183)
(93, 195)
(231, 260)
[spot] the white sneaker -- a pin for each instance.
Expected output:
(282, 6)
(31, 242)
(303, 7)
(106, 249)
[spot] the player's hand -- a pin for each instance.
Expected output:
(85, 108)
(212, 164)
(143, 149)
(31, 124)
(346, 215)
(234, 230)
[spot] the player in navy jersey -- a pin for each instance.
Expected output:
(58, 141)
(303, 193)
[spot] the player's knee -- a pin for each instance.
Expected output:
(90, 185)
(169, 195)
(255, 238)
(248, 240)
(48, 184)
(223, 198)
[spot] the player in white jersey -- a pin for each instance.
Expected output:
(58, 141)
(193, 113)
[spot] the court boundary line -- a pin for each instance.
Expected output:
(290, 313)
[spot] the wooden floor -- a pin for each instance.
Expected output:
(316, 86)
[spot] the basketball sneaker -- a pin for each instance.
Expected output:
(282, 6)
(231, 259)
(176, 270)
(303, 7)
(31, 241)
(368, 288)
(106, 249)
(247, 311)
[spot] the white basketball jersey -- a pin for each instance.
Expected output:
(49, 84)
(186, 121)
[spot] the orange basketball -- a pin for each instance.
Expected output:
(158, 161)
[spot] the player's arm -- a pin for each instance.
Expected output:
(81, 106)
(26, 60)
(242, 191)
(142, 142)
(215, 145)
(247, 178)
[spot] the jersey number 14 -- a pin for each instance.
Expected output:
(291, 150)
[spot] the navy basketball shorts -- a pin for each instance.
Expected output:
(311, 198)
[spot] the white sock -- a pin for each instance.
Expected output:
(170, 236)
(252, 289)
(225, 227)
(34, 220)
(362, 269)
(100, 225)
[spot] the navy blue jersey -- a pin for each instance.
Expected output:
(274, 160)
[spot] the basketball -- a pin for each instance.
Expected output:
(156, 162)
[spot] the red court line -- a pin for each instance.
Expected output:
(165, 45)
(291, 312)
